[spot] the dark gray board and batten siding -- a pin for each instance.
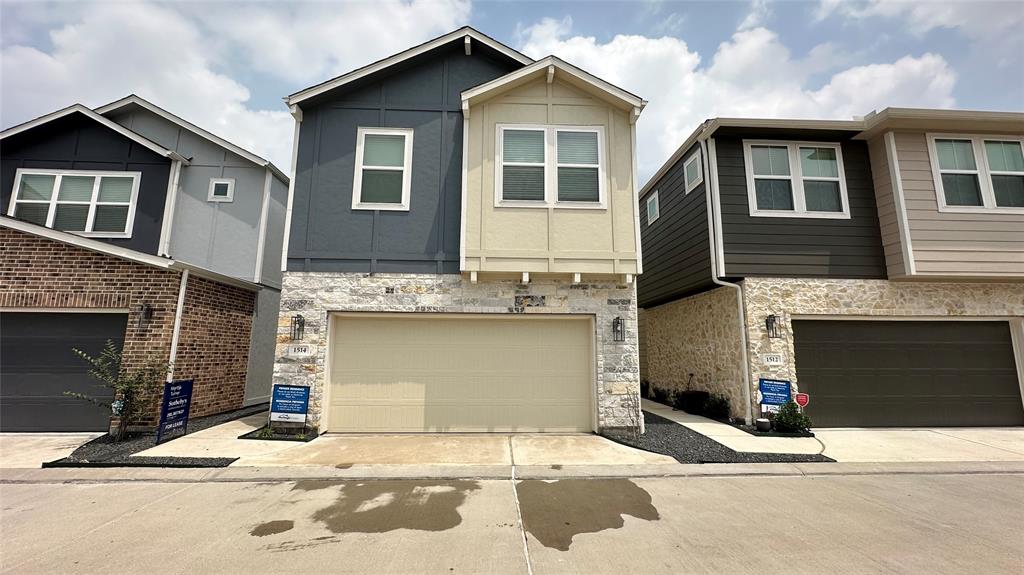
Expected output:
(76, 142)
(677, 256)
(424, 94)
(798, 247)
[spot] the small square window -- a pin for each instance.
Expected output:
(653, 208)
(693, 172)
(221, 190)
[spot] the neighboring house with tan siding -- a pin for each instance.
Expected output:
(876, 264)
(463, 245)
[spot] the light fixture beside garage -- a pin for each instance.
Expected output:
(298, 327)
(771, 325)
(618, 330)
(145, 315)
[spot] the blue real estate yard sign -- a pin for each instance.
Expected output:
(174, 408)
(289, 404)
(774, 391)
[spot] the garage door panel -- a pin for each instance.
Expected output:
(908, 373)
(448, 373)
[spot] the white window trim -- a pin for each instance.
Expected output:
(551, 166)
(231, 190)
(694, 157)
(984, 172)
(797, 179)
(406, 169)
(93, 202)
(657, 205)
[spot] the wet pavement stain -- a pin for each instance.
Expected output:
(386, 505)
(343, 466)
(314, 484)
(272, 528)
(554, 512)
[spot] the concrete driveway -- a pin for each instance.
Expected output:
(31, 450)
(878, 445)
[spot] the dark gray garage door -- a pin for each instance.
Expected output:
(37, 366)
(908, 373)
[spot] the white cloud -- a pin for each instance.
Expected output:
(759, 12)
(751, 75)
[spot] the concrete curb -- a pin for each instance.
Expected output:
(497, 472)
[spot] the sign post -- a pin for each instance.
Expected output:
(174, 408)
(289, 404)
(774, 393)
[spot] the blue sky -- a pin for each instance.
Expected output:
(226, 65)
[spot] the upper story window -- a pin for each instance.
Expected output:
(653, 207)
(796, 179)
(221, 190)
(383, 172)
(541, 166)
(693, 171)
(90, 203)
(975, 173)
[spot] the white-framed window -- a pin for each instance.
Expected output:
(221, 190)
(653, 207)
(383, 170)
(977, 173)
(542, 166)
(796, 179)
(693, 171)
(86, 202)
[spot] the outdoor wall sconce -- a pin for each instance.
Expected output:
(145, 314)
(771, 325)
(298, 327)
(618, 330)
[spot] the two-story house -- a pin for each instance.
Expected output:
(877, 264)
(130, 224)
(462, 245)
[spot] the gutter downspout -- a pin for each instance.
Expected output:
(711, 179)
(177, 325)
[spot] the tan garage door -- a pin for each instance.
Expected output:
(407, 373)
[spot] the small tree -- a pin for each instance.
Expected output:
(130, 387)
(790, 419)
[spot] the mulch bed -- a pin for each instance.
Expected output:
(277, 434)
(104, 452)
(687, 446)
(752, 430)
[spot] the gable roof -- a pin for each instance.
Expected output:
(135, 100)
(466, 32)
(123, 253)
(550, 66)
(80, 109)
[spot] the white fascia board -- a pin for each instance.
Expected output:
(145, 142)
(540, 67)
(214, 276)
(354, 75)
(151, 107)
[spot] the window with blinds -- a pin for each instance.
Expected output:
(549, 165)
(90, 203)
(795, 179)
(383, 174)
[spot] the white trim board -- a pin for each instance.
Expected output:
(903, 223)
(78, 108)
(132, 99)
(464, 32)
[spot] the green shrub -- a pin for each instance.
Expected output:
(645, 388)
(690, 401)
(660, 394)
(790, 419)
(716, 407)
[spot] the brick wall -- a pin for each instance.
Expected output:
(213, 344)
(37, 272)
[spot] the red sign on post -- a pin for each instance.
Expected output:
(801, 399)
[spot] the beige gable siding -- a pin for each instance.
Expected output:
(560, 240)
(888, 215)
(954, 244)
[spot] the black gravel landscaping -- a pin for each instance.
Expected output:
(104, 452)
(687, 446)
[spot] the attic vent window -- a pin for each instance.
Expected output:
(222, 189)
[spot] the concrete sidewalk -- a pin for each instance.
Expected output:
(866, 444)
(19, 450)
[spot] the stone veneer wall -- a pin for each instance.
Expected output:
(315, 294)
(698, 335)
(786, 297)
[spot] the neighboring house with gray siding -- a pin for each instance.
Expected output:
(85, 191)
(463, 245)
(876, 263)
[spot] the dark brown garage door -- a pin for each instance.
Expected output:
(37, 365)
(908, 373)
